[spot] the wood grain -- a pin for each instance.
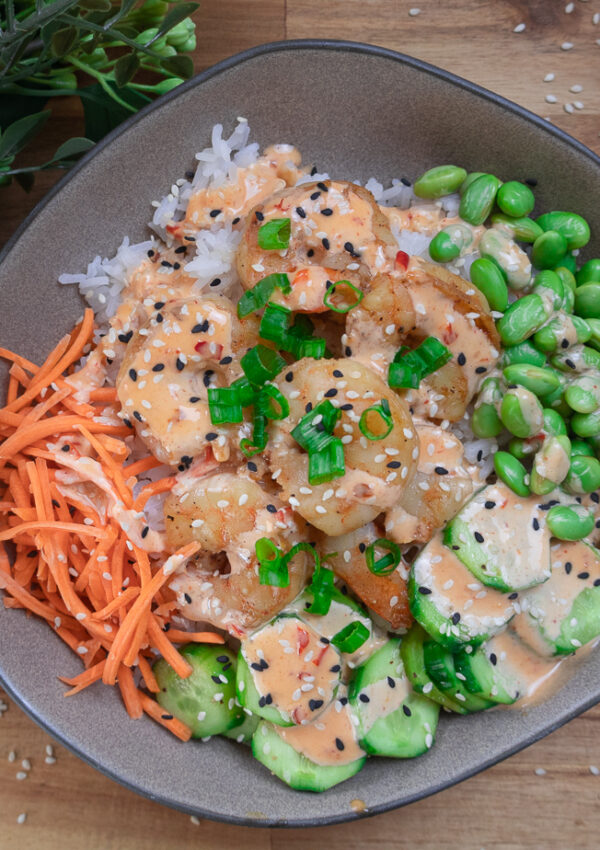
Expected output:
(68, 804)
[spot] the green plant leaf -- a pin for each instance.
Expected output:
(179, 66)
(19, 133)
(72, 149)
(175, 16)
(125, 69)
(102, 114)
(63, 40)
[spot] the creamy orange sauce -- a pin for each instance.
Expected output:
(383, 700)
(532, 674)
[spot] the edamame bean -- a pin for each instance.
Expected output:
(522, 449)
(536, 379)
(579, 358)
(548, 284)
(523, 352)
(554, 424)
(478, 199)
(583, 393)
(515, 264)
(551, 464)
(470, 178)
(580, 447)
(515, 199)
(442, 249)
(594, 326)
(570, 263)
(586, 424)
(570, 522)
(567, 277)
(561, 332)
(523, 229)
(549, 250)
(569, 300)
(589, 271)
(521, 412)
(573, 227)
(512, 472)
(522, 319)
(583, 476)
(439, 181)
(485, 422)
(488, 278)
(587, 300)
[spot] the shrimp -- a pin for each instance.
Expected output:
(227, 513)
(187, 346)
(445, 306)
(338, 232)
(385, 595)
(442, 484)
(377, 471)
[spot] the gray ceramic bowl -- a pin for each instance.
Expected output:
(355, 111)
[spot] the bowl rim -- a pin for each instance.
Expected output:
(214, 71)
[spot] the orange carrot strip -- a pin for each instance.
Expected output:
(151, 707)
(20, 375)
(163, 485)
(83, 679)
(6, 354)
(114, 446)
(179, 636)
(138, 639)
(7, 582)
(45, 371)
(12, 419)
(129, 692)
(108, 394)
(54, 525)
(13, 389)
(127, 596)
(30, 434)
(115, 470)
(171, 655)
(43, 407)
(149, 677)
(140, 466)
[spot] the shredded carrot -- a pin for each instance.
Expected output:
(73, 564)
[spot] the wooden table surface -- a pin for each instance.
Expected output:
(547, 796)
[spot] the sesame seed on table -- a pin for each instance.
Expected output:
(544, 55)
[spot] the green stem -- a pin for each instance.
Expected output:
(103, 82)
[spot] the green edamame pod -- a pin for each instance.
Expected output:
(570, 522)
(587, 300)
(583, 476)
(514, 263)
(589, 271)
(536, 379)
(478, 199)
(549, 250)
(548, 283)
(554, 424)
(512, 472)
(583, 393)
(515, 199)
(567, 277)
(561, 332)
(571, 226)
(442, 249)
(569, 263)
(580, 447)
(578, 358)
(523, 352)
(485, 421)
(489, 279)
(568, 304)
(551, 464)
(439, 181)
(594, 339)
(522, 449)
(522, 319)
(470, 178)
(523, 229)
(586, 424)
(521, 412)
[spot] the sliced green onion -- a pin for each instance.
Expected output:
(351, 637)
(321, 588)
(269, 397)
(246, 390)
(272, 568)
(259, 435)
(381, 412)
(345, 306)
(275, 234)
(314, 348)
(409, 367)
(326, 464)
(276, 326)
(257, 297)
(387, 563)
(314, 431)
(261, 364)
(224, 405)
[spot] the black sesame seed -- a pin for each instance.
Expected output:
(478, 536)
(479, 455)
(310, 252)
(531, 181)
(150, 253)
(214, 213)
(405, 181)
(570, 363)
(314, 704)
(145, 531)
(176, 266)
(166, 627)
(391, 682)
(322, 187)
(125, 337)
(260, 216)
(252, 466)
(201, 328)
(159, 367)
(513, 595)
(456, 548)
(331, 393)
(325, 243)
(424, 591)
(568, 567)
(137, 415)
(326, 211)
(461, 359)
(167, 716)
(583, 575)
(595, 498)
(597, 582)
(364, 698)
(489, 504)
(362, 547)
(339, 744)
(133, 374)
(181, 250)
(225, 361)
(315, 195)
(493, 658)
(206, 380)
(180, 365)
(480, 370)
(348, 351)
(256, 666)
(190, 238)
(215, 282)
(564, 343)
(407, 711)
(32, 554)
(212, 435)
(159, 304)
(66, 448)
(441, 470)
(335, 669)
(127, 423)
(344, 700)
(301, 212)
(272, 509)
(227, 666)
(268, 699)
(308, 407)
(289, 377)
(194, 399)
(55, 503)
(394, 464)
(187, 598)
(313, 171)
(337, 373)
(262, 702)
(455, 618)
(347, 406)
(166, 264)
(159, 318)
(223, 659)
(535, 523)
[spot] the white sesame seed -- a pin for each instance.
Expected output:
(26, 764)
(428, 686)
(12, 756)
(22, 817)
(539, 771)
(567, 45)
(578, 104)
(569, 8)
(21, 775)
(549, 77)
(594, 770)
(414, 12)
(519, 28)
(320, 509)
(196, 523)
(194, 819)
(596, 18)
(576, 88)
(568, 107)
(550, 98)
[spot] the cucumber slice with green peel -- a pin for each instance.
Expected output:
(287, 672)
(313, 757)
(560, 616)
(439, 663)
(486, 673)
(244, 732)
(394, 721)
(206, 700)
(502, 539)
(450, 604)
(411, 650)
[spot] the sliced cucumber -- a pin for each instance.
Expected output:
(394, 721)
(244, 732)
(205, 701)
(287, 673)
(439, 663)
(563, 614)
(313, 757)
(411, 650)
(449, 603)
(487, 673)
(502, 538)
